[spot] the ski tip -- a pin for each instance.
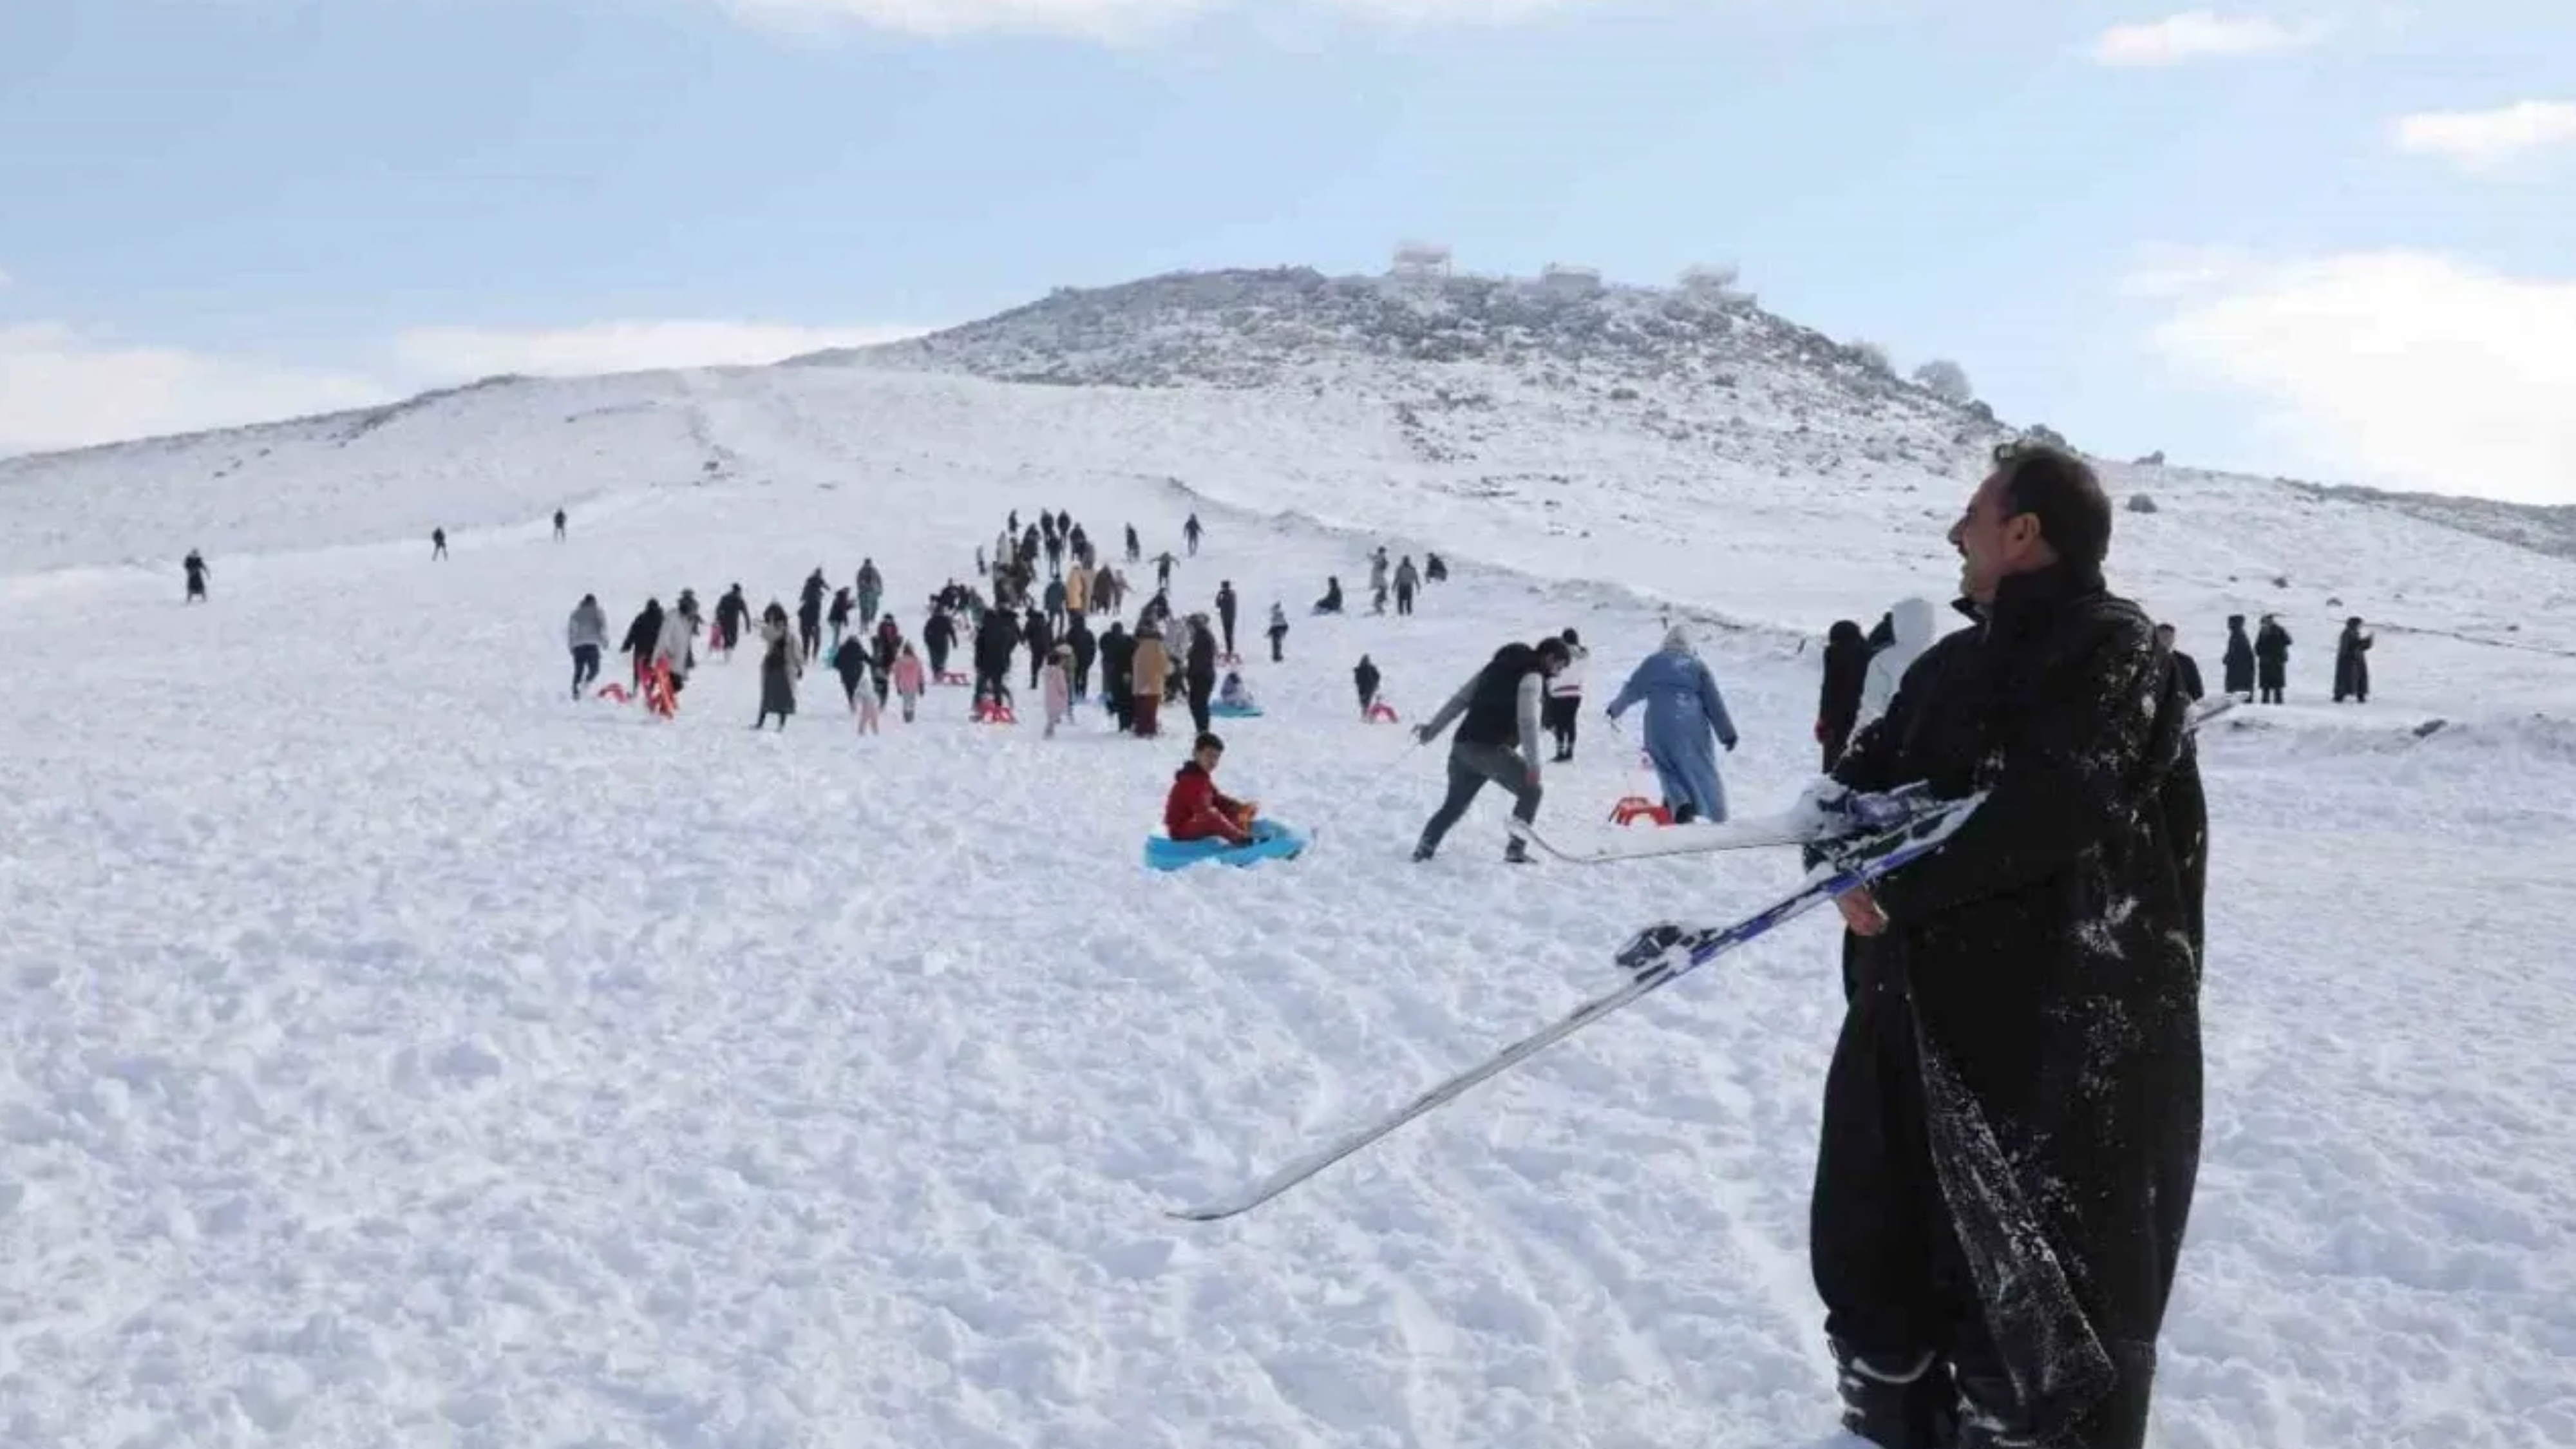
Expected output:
(1198, 1214)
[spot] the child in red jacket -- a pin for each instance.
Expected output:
(1195, 810)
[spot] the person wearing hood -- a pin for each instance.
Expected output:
(1199, 672)
(2237, 664)
(852, 658)
(2352, 663)
(588, 636)
(1496, 709)
(1838, 704)
(1683, 707)
(1912, 625)
(1365, 679)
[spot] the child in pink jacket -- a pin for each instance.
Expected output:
(907, 680)
(1059, 688)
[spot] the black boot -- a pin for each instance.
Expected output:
(1516, 853)
(1896, 1405)
(1990, 1417)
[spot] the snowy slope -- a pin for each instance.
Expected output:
(393, 1052)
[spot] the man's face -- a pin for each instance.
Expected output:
(2165, 635)
(1990, 544)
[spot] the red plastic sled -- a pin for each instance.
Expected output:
(1381, 713)
(1633, 808)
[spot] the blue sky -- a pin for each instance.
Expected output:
(2219, 235)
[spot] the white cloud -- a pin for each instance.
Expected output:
(5, 278)
(64, 387)
(1114, 20)
(61, 388)
(453, 353)
(2486, 141)
(2400, 368)
(2199, 35)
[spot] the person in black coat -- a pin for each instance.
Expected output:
(2186, 669)
(1838, 703)
(994, 640)
(2012, 1118)
(2352, 663)
(1199, 673)
(1226, 603)
(1041, 641)
(1118, 674)
(939, 635)
(1086, 647)
(2237, 664)
(1365, 679)
(2272, 660)
(641, 637)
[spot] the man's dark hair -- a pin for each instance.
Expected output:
(2059, 489)
(1554, 649)
(1207, 742)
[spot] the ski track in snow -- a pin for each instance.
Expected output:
(398, 1053)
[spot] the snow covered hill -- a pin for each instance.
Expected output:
(395, 1052)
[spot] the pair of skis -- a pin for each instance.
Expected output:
(1862, 837)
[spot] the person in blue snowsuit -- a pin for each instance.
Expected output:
(1683, 707)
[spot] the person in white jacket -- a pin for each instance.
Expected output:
(1914, 622)
(1563, 708)
(678, 630)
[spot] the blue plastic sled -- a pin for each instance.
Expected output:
(1222, 710)
(1270, 841)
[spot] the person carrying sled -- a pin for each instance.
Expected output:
(1683, 707)
(2012, 1117)
(1196, 810)
(1496, 710)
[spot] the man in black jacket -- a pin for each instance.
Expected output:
(2012, 1118)
(1496, 710)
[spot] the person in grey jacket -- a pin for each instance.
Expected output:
(587, 633)
(1497, 740)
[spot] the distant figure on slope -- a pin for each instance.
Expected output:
(1407, 579)
(1118, 675)
(1683, 706)
(195, 565)
(437, 543)
(732, 612)
(1435, 568)
(2352, 663)
(2186, 669)
(1086, 648)
(643, 634)
(1056, 681)
(1838, 702)
(838, 616)
(2238, 662)
(908, 681)
(995, 639)
(2272, 659)
(587, 633)
(2012, 1118)
(1233, 693)
(871, 584)
(1377, 581)
(1196, 810)
(1163, 569)
(1911, 626)
(559, 525)
(1226, 604)
(1495, 710)
(1199, 677)
(1364, 681)
(1190, 532)
(1151, 674)
(1564, 707)
(1135, 548)
(1331, 602)
(781, 660)
(674, 651)
(852, 658)
(1278, 632)
(809, 614)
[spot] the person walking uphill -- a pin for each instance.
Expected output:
(1199, 675)
(2012, 1117)
(1682, 707)
(587, 633)
(1149, 673)
(1496, 710)
(781, 660)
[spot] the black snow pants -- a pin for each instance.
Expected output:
(585, 666)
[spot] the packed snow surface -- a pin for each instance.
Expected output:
(398, 1052)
